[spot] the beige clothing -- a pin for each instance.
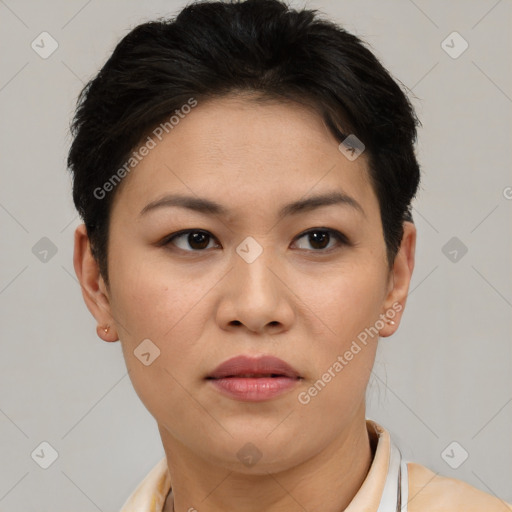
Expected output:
(427, 492)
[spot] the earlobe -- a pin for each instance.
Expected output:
(93, 288)
(403, 267)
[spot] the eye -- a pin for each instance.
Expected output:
(319, 238)
(196, 239)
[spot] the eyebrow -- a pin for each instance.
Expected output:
(207, 206)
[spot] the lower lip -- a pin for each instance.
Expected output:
(254, 389)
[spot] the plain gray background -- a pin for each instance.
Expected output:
(445, 376)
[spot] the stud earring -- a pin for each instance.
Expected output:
(106, 329)
(389, 321)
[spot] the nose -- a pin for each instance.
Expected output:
(256, 297)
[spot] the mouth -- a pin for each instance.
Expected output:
(250, 376)
(253, 368)
(251, 379)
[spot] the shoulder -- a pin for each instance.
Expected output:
(431, 492)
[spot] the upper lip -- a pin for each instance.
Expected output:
(246, 365)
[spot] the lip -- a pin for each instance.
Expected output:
(253, 379)
(245, 365)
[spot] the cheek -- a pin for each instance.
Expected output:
(346, 308)
(152, 301)
(344, 302)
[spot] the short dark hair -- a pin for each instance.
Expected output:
(212, 49)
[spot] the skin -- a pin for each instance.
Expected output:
(300, 300)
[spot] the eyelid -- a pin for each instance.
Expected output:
(169, 238)
(338, 235)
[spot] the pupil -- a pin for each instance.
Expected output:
(316, 235)
(198, 238)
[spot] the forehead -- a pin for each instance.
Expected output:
(246, 150)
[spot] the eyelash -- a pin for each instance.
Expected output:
(337, 235)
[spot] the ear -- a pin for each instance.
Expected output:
(94, 290)
(399, 280)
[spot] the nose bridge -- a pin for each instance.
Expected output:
(254, 294)
(253, 263)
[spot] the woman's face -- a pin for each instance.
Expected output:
(257, 278)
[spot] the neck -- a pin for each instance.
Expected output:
(328, 481)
